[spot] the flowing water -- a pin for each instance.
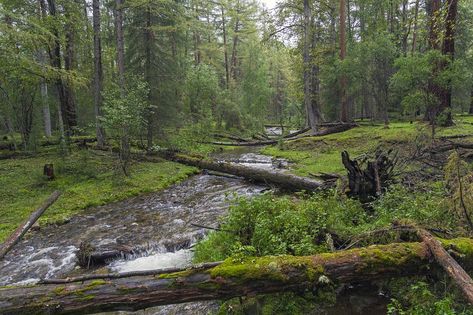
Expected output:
(160, 227)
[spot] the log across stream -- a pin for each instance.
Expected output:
(229, 279)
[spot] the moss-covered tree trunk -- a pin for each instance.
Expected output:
(230, 279)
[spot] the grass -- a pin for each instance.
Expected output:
(314, 155)
(85, 180)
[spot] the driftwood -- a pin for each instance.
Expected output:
(368, 183)
(331, 130)
(279, 179)
(230, 279)
(451, 267)
(22, 229)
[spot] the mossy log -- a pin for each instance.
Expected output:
(279, 179)
(450, 265)
(229, 279)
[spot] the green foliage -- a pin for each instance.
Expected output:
(201, 92)
(425, 298)
(270, 225)
(415, 76)
(125, 111)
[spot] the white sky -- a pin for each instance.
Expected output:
(269, 3)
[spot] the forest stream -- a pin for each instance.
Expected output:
(161, 228)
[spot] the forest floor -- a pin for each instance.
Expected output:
(313, 155)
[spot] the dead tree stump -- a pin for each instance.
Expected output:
(48, 171)
(368, 183)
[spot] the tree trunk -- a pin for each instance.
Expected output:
(43, 84)
(98, 73)
(225, 49)
(344, 110)
(314, 81)
(451, 267)
(148, 34)
(414, 35)
(368, 184)
(231, 279)
(448, 49)
(283, 180)
(69, 65)
(124, 137)
(471, 103)
(312, 114)
(119, 36)
(234, 58)
(55, 57)
(22, 229)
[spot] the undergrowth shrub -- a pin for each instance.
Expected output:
(273, 225)
(278, 225)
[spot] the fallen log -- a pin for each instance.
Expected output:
(22, 229)
(451, 267)
(451, 146)
(283, 180)
(296, 133)
(229, 279)
(324, 132)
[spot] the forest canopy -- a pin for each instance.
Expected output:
(212, 65)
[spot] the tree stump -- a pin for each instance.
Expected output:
(368, 183)
(48, 171)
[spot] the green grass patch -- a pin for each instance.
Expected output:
(312, 155)
(85, 180)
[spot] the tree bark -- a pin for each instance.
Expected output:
(470, 111)
(234, 57)
(311, 108)
(368, 184)
(120, 40)
(448, 49)
(69, 64)
(231, 279)
(44, 84)
(22, 229)
(451, 267)
(98, 73)
(344, 110)
(55, 57)
(148, 39)
(414, 35)
(225, 48)
(283, 180)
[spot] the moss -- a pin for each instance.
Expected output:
(268, 268)
(174, 275)
(462, 244)
(82, 293)
(61, 290)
